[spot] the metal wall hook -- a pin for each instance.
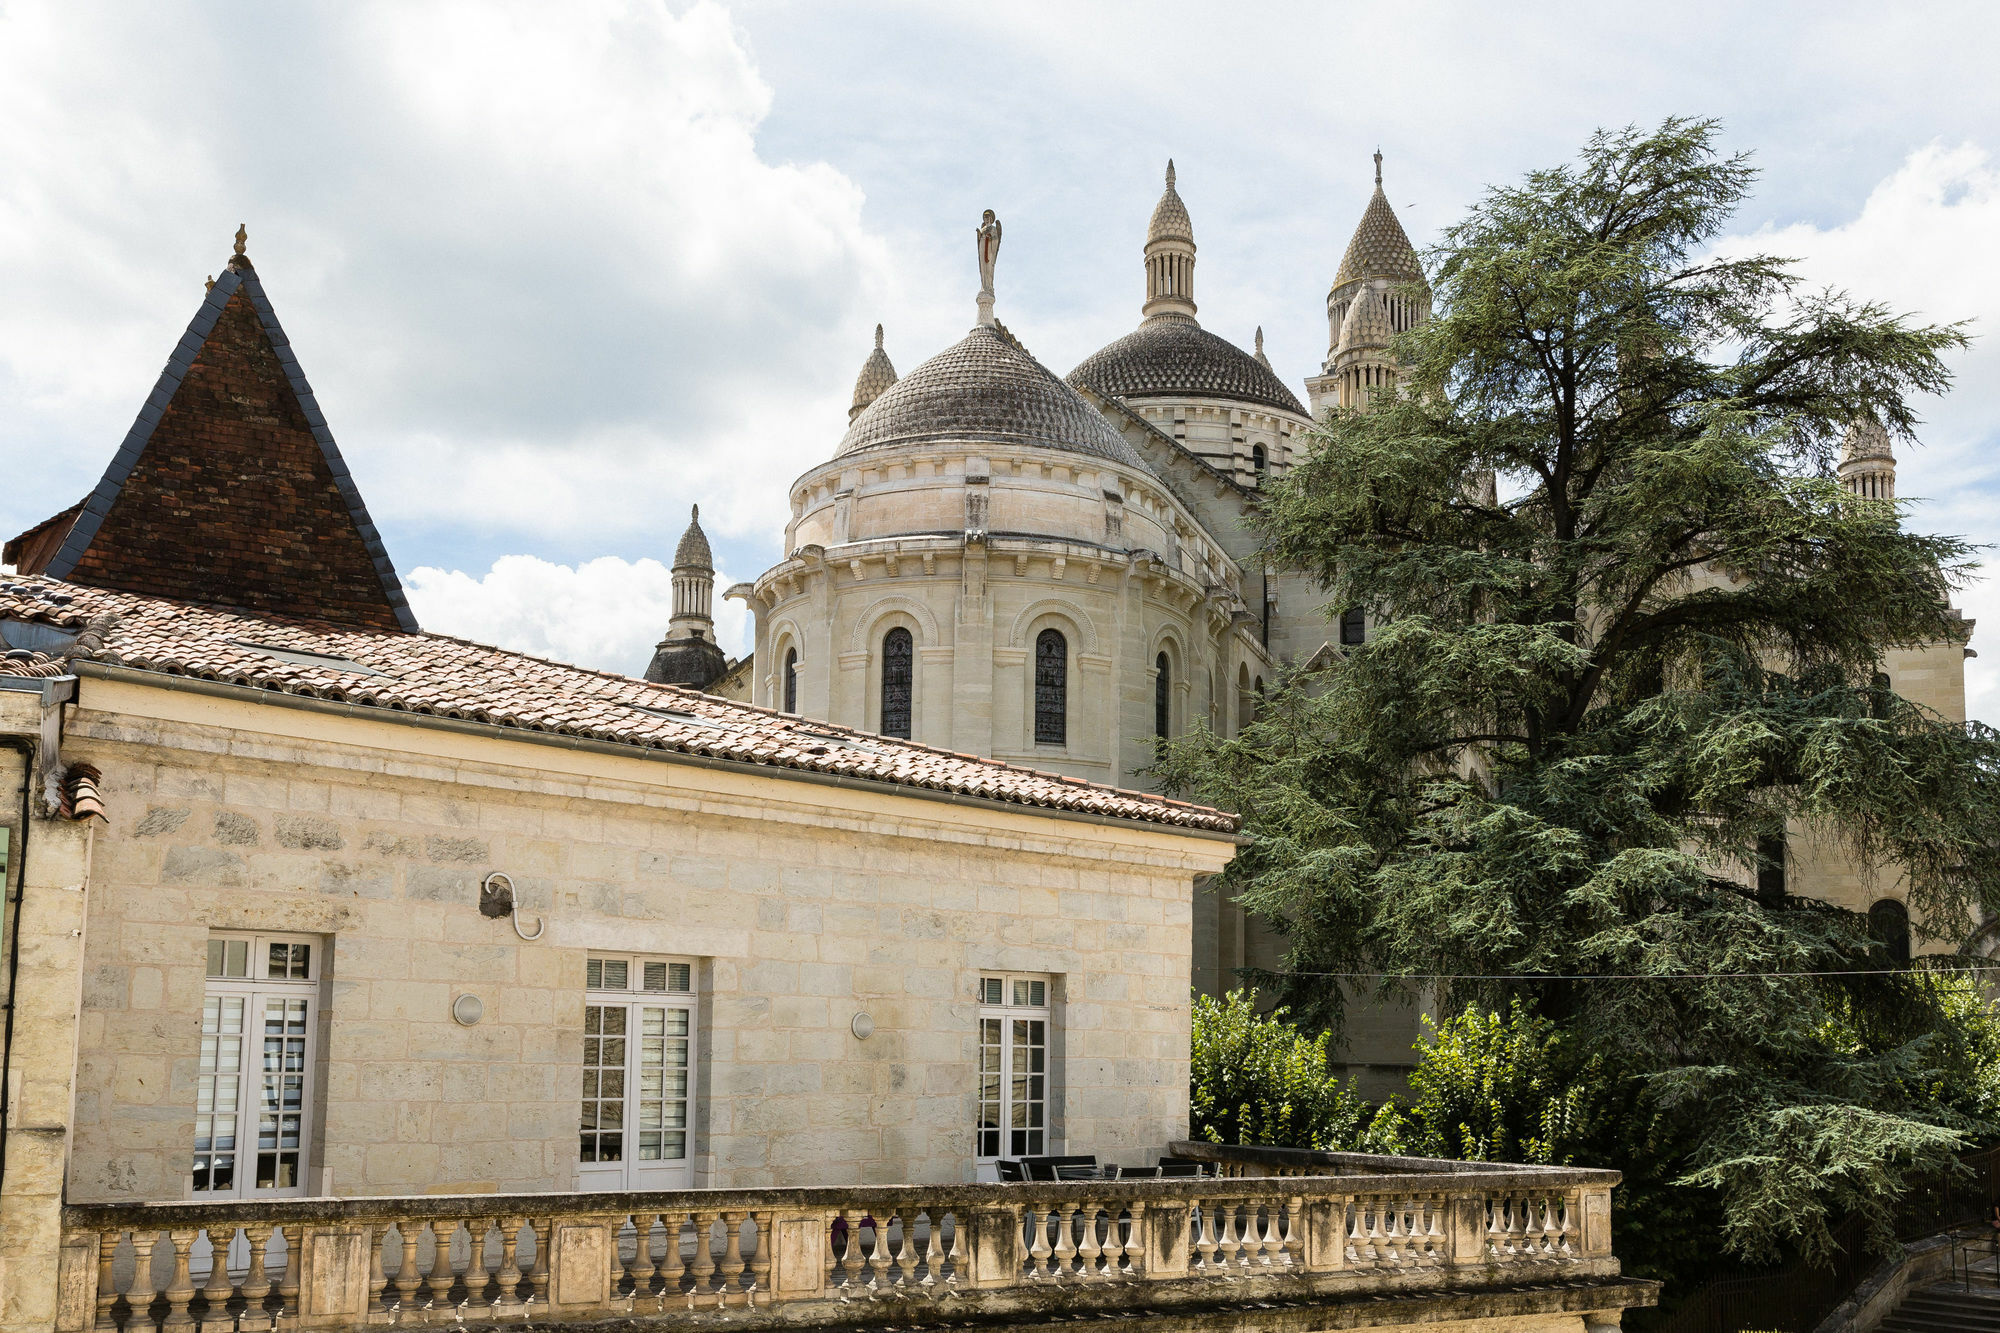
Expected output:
(496, 898)
(540, 926)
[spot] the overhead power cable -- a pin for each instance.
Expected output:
(1645, 976)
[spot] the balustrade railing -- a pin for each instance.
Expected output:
(344, 1263)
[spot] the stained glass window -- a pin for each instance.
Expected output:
(897, 650)
(1051, 688)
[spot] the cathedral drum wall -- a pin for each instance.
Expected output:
(794, 905)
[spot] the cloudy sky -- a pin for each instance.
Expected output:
(559, 271)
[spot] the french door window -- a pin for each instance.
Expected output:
(253, 1089)
(638, 1070)
(1013, 1067)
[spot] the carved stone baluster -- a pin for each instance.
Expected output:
(143, 1292)
(107, 1292)
(628, 1276)
(1038, 1245)
(437, 1283)
(538, 1276)
(650, 1268)
(947, 1247)
(843, 1247)
(510, 1258)
(729, 1268)
(288, 1284)
(1064, 1259)
(258, 1281)
(1090, 1249)
(406, 1271)
(760, 1252)
(378, 1278)
(1572, 1223)
(217, 1289)
(181, 1290)
(1264, 1217)
(1292, 1252)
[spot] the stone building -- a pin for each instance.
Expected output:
(1059, 572)
(357, 975)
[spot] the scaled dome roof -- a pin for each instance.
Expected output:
(1380, 247)
(694, 552)
(1173, 355)
(986, 388)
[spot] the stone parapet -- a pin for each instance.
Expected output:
(1450, 1243)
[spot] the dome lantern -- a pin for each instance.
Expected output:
(1169, 256)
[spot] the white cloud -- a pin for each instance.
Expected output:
(530, 255)
(605, 613)
(1922, 243)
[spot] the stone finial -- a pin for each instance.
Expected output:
(1378, 168)
(1170, 173)
(242, 237)
(1263, 360)
(878, 337)
(209, 285)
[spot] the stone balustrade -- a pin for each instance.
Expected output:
(1303, 1225)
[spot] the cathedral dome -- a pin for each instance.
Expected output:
(1175, 357)
(987, 389)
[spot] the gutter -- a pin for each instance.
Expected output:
(590, 745)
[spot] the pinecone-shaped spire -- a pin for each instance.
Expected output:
(876, 376)
(1170, 256)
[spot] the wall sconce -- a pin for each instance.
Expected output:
(467, 1010)
(862, 1027)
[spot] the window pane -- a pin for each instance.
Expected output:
(680, 976)
(1051, 688)
(898, 649)
(616, 971)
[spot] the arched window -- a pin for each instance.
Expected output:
(791, 680)
(1051, 688)
(1353, 626)
(1258, 460)
(897, 651)
(1889, 923)
(1162, 695)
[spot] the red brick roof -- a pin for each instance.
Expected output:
(229, 489)
(451, 678)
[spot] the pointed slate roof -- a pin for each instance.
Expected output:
(229, 489)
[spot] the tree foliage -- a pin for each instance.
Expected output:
(1631, 631)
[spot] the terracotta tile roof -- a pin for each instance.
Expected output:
(80, 798)
(451, 678)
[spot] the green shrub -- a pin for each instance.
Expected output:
(1257, 1079)
(1494, 1089)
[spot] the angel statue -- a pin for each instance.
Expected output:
(988, 236)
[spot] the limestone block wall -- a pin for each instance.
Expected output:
(801, 904)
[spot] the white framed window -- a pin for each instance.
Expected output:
(638, 1073)
(253, 1091)
(1013, 1118)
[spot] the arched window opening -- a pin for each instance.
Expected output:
(791, 680)
(1162, 698)
(1353, 627)
(1258, 460)
(1889, 923)
(1051, 688)
(1771, 868)
(897, 651)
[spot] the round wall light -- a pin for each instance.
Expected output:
(862, 1026)
(467, 1010)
